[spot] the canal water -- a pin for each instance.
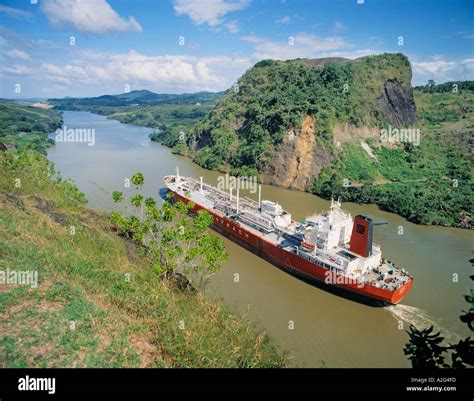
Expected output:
(317, 328)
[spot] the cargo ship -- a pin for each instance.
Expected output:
(331, 248)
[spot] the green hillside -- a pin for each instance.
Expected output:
(100, 301)
(26, 125)
(253, 117)
(428, 184)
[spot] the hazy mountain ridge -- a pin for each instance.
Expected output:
(136, 97)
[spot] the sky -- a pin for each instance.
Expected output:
(58, 48)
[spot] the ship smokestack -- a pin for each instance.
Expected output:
(361, 238)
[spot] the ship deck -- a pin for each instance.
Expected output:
(223, 204)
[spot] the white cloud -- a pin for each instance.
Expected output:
(284, 20)
(92, 16)
(232, 26)
(96, 72)
(15, 12)
(21, 70)
(441, 70)
(209, 12)
(18, 54)
(300, 45)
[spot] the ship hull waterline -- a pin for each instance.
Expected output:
(292, 263)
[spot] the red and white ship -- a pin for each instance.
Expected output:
(331, 247)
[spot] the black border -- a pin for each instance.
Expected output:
(238, 384)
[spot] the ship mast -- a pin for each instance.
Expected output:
(237, 200)
(260, 196)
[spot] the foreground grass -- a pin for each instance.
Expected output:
(98, 303)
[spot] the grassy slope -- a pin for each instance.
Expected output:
(24, 125)
(82, 279)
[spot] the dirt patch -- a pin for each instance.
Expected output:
(47, 207)
(7, 287)
(298, 159)
(48, 306)
(147, 351)
(14, 309)
(14, 199)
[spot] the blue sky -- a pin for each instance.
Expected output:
(57, 48)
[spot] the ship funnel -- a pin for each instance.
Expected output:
(361, 238)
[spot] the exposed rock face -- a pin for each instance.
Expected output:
(396, 104)
(298, 159)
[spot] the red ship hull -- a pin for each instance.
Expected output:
(294, 263)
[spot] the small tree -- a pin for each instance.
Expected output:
(177, 243)
(424, 348)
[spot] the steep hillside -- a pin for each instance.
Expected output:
(429, 182)
(264, 119)
(98, 300)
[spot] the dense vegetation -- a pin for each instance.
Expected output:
(100, 301)
(253, 116)
(432, 87)
(428, 184)
(22, 125)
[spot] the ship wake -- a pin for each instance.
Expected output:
(421, 320)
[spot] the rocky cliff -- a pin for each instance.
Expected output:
(286, 119)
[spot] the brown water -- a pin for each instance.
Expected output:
(328, 330)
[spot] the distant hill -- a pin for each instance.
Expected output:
(136, 97)
(27, 125)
